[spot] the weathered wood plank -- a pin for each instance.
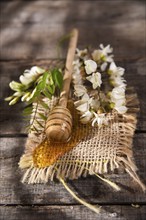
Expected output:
(11, 117)
(31, 29)
(91, 188)
(72, 212)
(40, 10)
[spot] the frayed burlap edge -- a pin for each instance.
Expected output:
(75, 169)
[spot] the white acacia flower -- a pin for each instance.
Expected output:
(18, 94)
(103, 66)
(31, 95)
(95, 104)
(109, 58)
(31, 75)
(116, 71)
(90, 66)
(81, 53)
(116, 74)
(28, 95)
(88, 104)
(119, 100)
(80, 90)
(82, 108)
(95, 79)
(14, 100)
(97, 54)
(16, 86)
(100, 119)
(84, 104)
(86, 117)
(77, 79)
(103, 54)
(25, 96)
(76, 76)
(76, 63)
(85, 98)
(106, 50)
(121, 109)
(119, 105)
(118, 81)
(76, 71)
(117, 93)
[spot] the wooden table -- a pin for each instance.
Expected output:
(30, 31)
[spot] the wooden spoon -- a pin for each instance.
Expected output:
(59, 123)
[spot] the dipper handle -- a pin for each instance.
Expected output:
(68, 68)
(59, 122)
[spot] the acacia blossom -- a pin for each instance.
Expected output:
(30, 75)
(90, 66)
(95, 79)
(99, 69)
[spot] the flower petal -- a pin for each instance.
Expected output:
(121, 109)
(95, 79)
(80, 90)
(90, 66)
(83, 107)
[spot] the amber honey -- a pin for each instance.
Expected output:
(48, 152)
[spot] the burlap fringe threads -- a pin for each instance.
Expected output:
(73, 169)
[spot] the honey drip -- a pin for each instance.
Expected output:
(48, 152)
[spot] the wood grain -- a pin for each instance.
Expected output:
(91, 188)
(31, 29)
(72, 213)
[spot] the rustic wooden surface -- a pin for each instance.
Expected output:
(30, 31)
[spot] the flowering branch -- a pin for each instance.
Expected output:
(99, 86)
(34, 83)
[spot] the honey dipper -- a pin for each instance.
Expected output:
(59, 123)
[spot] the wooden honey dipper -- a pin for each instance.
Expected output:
(59, 123)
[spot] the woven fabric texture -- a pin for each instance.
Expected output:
(96, 150)
(93, 150)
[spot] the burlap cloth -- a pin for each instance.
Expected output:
(96, 151)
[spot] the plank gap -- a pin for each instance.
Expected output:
(74, 204)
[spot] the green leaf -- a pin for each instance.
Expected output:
(44, 104)
(51, 89)
(57, 77)
(47, 94)
(34, 129)
(39, 79)
(51, 82)
(43, 116)
(27, 110)
(44, 79)
(41, 85)
(39, 124)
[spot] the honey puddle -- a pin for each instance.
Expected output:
(48, 152)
